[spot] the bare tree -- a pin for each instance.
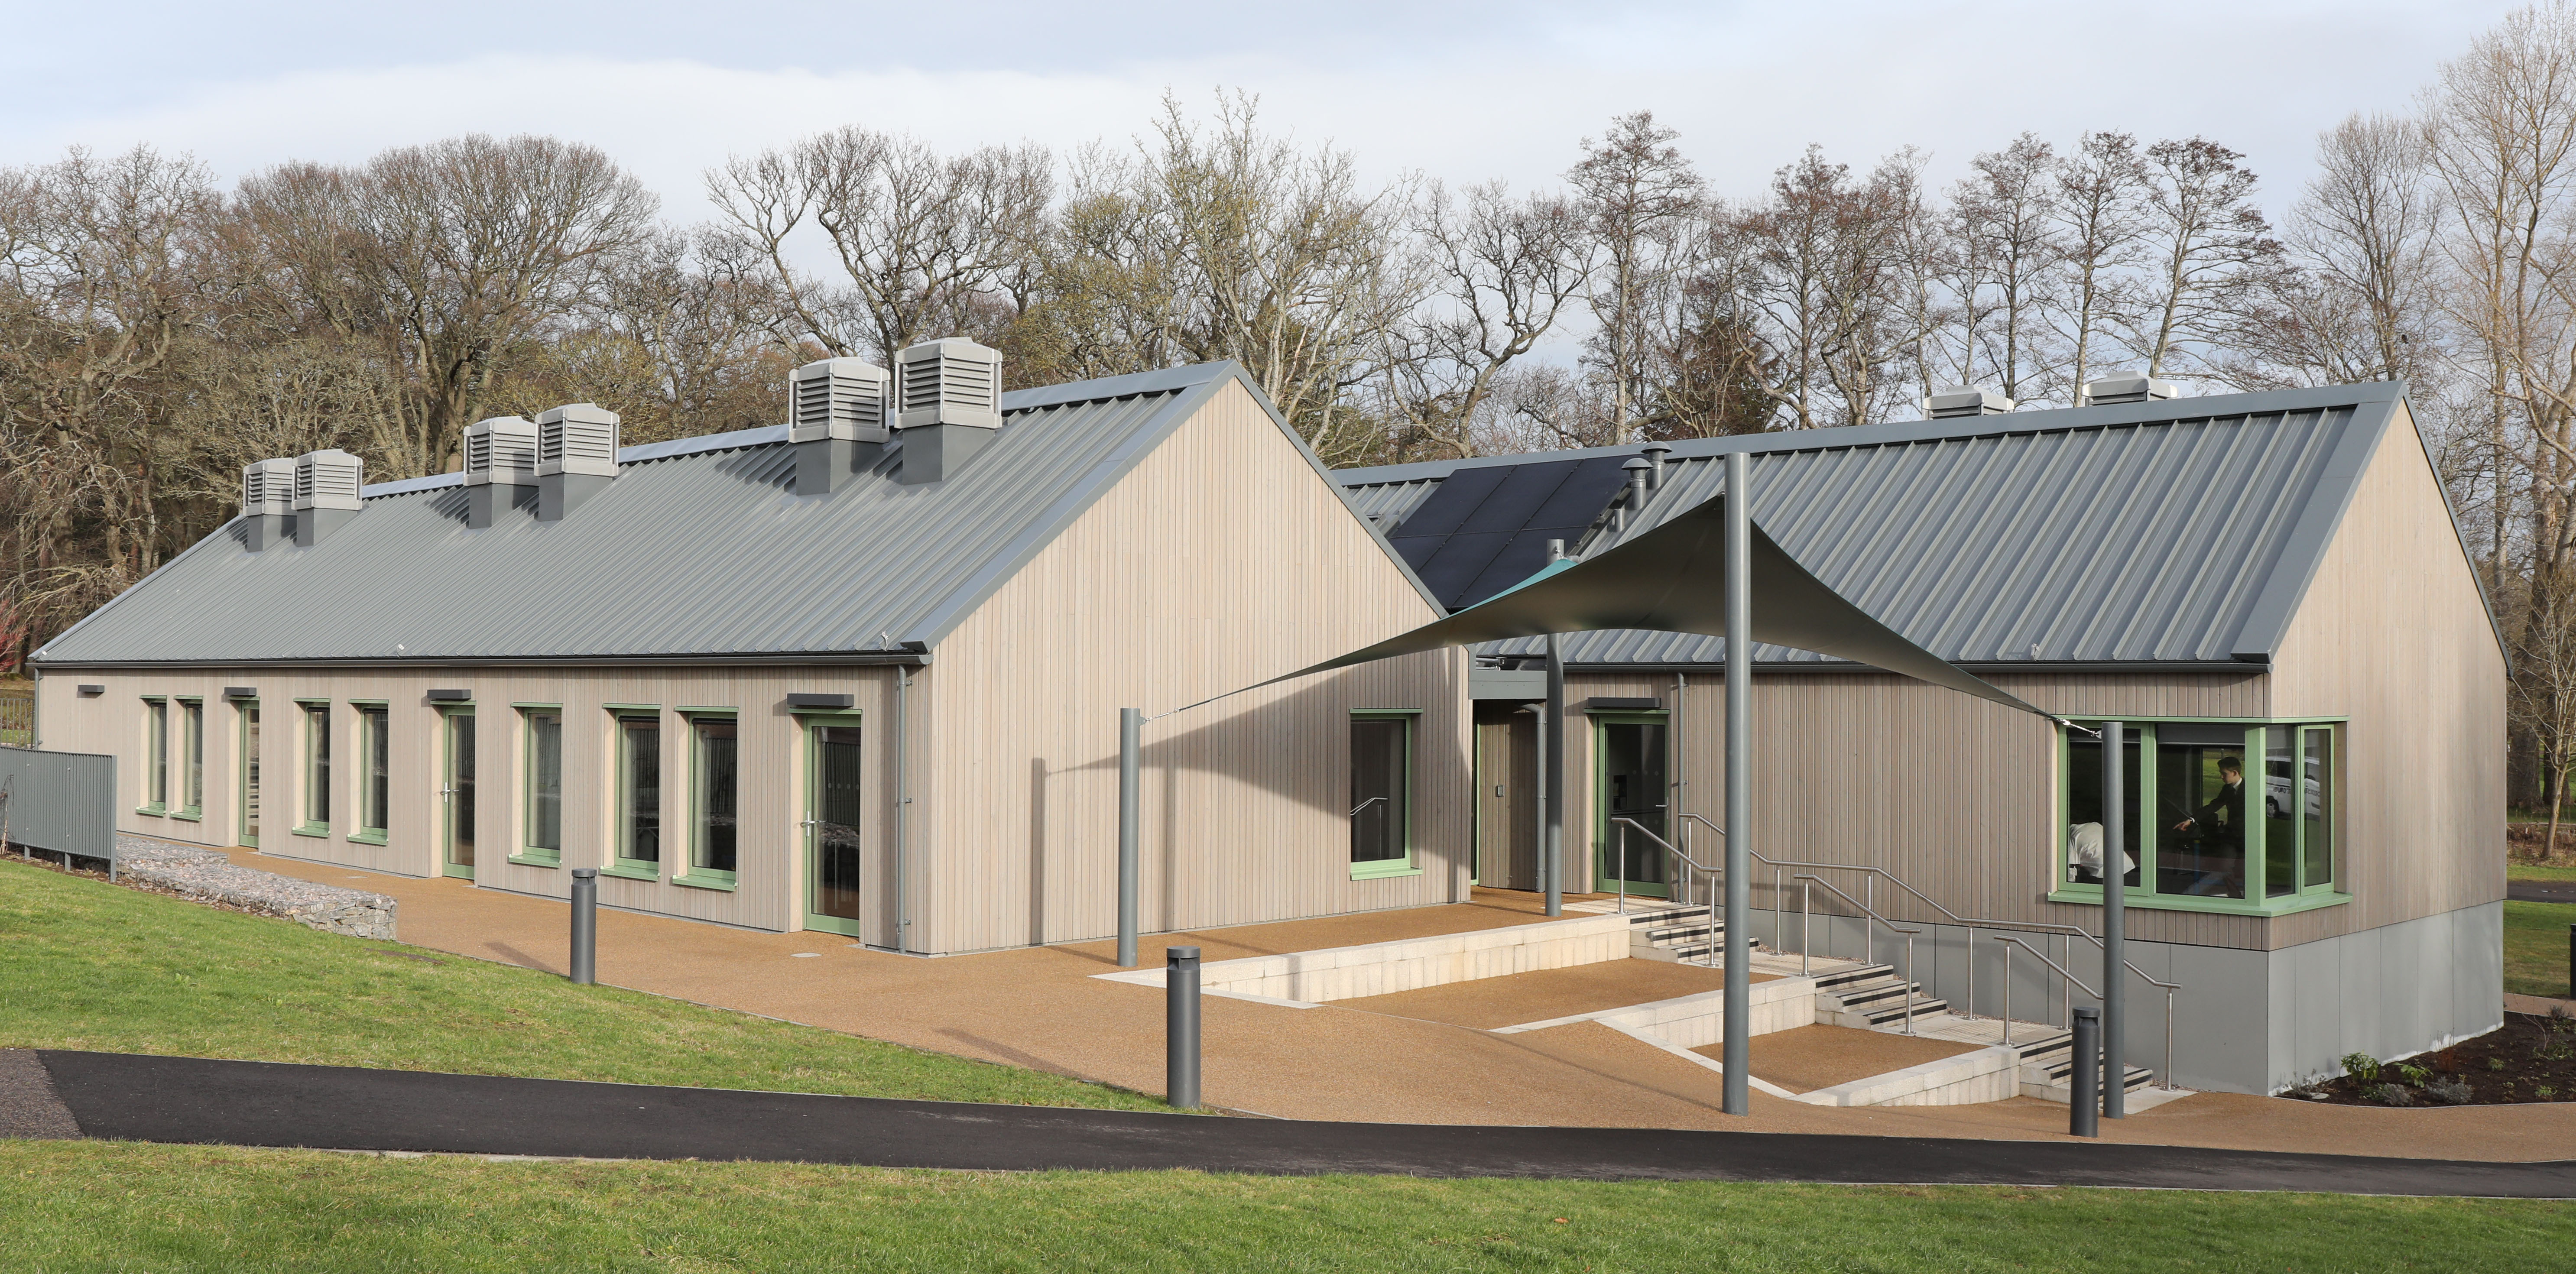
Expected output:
(2006, 210)
(2206, 245)
(2099, 212)
(1819, 258)
(1501, 271)
(1639, 193)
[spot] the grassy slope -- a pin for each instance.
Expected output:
(128, 1207)
(2535, 947)
(88, 965)
(2534, 871)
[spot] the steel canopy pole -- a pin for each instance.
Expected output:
(1552, 781)
(1131, 725)
(1738, 1052)
(2115, 968)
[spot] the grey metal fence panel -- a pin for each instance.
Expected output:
(59, 802)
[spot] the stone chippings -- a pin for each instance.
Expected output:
(209, 876)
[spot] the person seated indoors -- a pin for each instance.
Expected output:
(2219, 827)
(2084, 855)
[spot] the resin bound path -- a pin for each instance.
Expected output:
(1040, 1008)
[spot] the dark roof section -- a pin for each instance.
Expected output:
(2183, 532)
(700, 550)
(1487, 528)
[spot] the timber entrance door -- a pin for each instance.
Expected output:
(457, 850)
(1507, 833)
(1631, 785)
(832, 818)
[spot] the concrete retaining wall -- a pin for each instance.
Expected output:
(1409, 964)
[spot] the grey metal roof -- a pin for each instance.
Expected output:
(2183, 531)
(699, 549)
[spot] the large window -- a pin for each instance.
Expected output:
(156, 756)
(192, 758)
(2218, 816)
(713, 798)
(1381, 809)
(317, 770)
(639, 793)
(375, 747)
(541, 834)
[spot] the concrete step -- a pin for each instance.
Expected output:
(2050, 1083)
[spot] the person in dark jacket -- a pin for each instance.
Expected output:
(2222, 820)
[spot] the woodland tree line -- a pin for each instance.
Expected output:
(158, 330)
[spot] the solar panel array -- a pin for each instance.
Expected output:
(1486, 529)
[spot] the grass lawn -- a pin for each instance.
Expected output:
(89, 965)
(2534, 871)
(2535, 947)
(106, 1206)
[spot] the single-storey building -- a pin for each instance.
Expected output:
(2269, 589)
(861, 673)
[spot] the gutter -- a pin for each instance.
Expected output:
(913, 655)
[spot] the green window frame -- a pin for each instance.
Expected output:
(316, 795)
(156, 756)
(844, 808)
(248, 709)
(636, 846)
(372, 783)
(715, 799)
(1368, 736)
(192, 760)
(2292, 859)
(541, 805)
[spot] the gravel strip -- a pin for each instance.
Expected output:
(29, 1106)
(208, 876)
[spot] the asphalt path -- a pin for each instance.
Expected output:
(195, 1100)
(2540, 890)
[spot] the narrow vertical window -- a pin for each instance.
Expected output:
(544, 833)
(192, 754)
(1381, 765)
(2316, 806)
(639, 789)
(250, 773)
(317, 767)
(374, 786)
(714, 797)
(156, 755)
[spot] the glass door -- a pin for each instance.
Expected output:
(1632, 786)
(456, 792)
(833, 812)
(250, 773)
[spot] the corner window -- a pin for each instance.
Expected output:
(541, 821)
(375, 749)
(713, 797)
(1381, 794)
(2218, 816)
(156, 756)
(317, 770)
(639, 791)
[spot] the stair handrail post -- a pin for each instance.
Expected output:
(1909, 984)
(1779, 899)
(2007, 996)
(1623, 869)
(2166, 1080)
(1972, 973)
(1806, 909)
(1869, 905)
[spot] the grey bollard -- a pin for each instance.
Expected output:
(585, 925)
(2084, 1106)
(1181, 1026)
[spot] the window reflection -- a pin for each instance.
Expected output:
(2200, 811)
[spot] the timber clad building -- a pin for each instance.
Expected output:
(2270, 582)
(863, 674)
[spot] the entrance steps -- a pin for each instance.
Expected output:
(1873, 997)
(2046, 1056)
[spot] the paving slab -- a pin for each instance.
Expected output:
(194, 1100)
(1803, 1059)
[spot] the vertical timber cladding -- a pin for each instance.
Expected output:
(2392, 635)
(1221, 560)
(770, 882)
(1956, 796)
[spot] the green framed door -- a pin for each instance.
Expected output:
(249, 773)
(1630, 781)
(834, 782)
(456, 793)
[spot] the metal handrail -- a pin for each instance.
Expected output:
(1909, 943)
(1681, 887)
(2164, 1078)
(1355, 810)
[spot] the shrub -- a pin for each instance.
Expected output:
(2416, 1075)
(2363, 1068)
(2449, 1092)
(2395, 1095)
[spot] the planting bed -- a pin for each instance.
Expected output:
(2529, 1059)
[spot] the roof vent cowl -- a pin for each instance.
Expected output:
(326, 493)
(837, 419)
(268, 503)
(576, 457)
(1965, 400)
(2128, 387)
(949, 405)
(500, 468)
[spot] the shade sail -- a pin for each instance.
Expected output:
(1672, 579)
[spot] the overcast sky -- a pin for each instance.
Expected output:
(1458, 91)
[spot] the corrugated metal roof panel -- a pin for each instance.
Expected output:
(2099, 535)
(699, 548)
